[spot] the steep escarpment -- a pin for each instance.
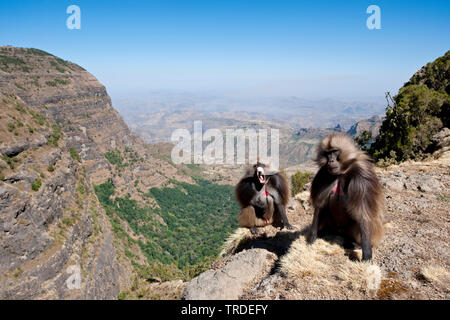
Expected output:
(49, 218)
(57, 123)
(68, 95)
(87, 210)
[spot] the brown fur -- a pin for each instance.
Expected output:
(356, 210)
(272, 211)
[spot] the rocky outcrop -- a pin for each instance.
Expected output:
(399, 181)
(228, 282)
(12, 149)
(372, 125)
(441, 140)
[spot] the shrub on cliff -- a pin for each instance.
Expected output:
(36, 185)
(298, 180)
(74, 154)
(420, 110)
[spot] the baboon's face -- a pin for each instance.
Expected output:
(260, 173)
(333, 164)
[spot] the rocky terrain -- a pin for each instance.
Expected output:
(60, 138)
(412, 262)
(57, 123)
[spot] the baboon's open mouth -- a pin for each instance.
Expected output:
(260, 175)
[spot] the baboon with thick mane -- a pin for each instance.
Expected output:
(346, 194)
(263, 194)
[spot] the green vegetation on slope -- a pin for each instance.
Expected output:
(121, 160)
(6, 62)
(196, 221)
(74, 154)
(25, 60)
(199, 218)
(56, 135)
(420, 110)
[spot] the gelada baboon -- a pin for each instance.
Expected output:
(346, 194)
(263, 194)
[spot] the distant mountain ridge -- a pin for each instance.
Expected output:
(152, 115)
(372, 125)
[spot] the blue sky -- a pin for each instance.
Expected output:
(312, 49)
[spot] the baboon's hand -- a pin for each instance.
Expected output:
(311, 238)
(367, 256)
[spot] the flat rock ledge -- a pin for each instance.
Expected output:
(229, 282)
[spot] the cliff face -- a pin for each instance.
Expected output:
(68, 95)
(56, 124)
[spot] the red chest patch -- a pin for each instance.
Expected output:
(265, 193)
(337, 189)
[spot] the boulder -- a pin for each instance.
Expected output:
(442, 138)
(228, 283)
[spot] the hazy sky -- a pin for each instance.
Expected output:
(312, 49)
